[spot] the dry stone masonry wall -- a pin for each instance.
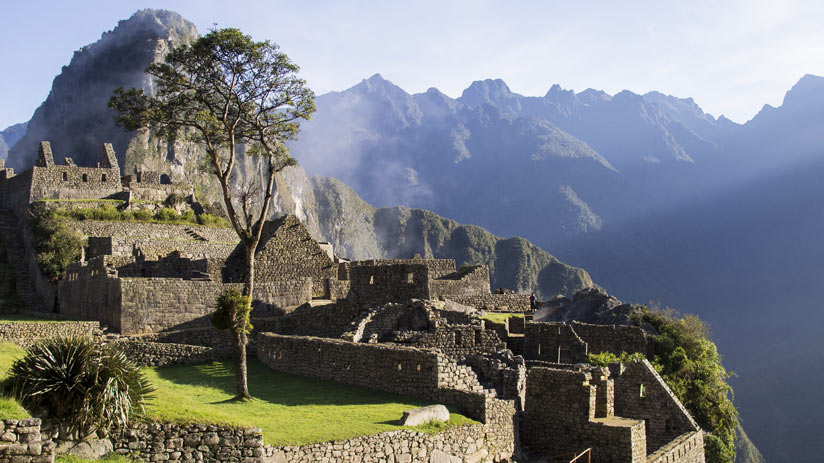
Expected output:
(21, 442)
(26, 333)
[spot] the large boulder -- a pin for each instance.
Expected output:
(424, 415)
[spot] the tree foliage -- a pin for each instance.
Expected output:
(232, 312)
(55, 244)
(84, 384)
(230, 95)
(688, 361)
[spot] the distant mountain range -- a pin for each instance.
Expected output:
(9, 137)
(656, 199)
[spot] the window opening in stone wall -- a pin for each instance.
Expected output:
(372, 279)
(478, 337)
(103, 178)
(85, 178)
(458, 336)
(65, 176)
(539, 349)
(642, 392)
(400, 367)
(410, 278)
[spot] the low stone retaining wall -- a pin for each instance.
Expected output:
(26, 333)
(687, 448)
(20, 442)
(196, 442)
(158, 354)
(193, 442)
(494, 302)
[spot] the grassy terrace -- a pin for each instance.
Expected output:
(291, 410)
(13, 317)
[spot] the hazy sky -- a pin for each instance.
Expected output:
(731, 56)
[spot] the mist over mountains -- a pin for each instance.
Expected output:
(656, 199)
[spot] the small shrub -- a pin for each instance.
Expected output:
(606, 358)
(232, 312)
(166, 215)
(188, 216)
(142, 215)
(212, 220)
(81, 383)
(174, 200)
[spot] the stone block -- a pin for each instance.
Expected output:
(424, 415)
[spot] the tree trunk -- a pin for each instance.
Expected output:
(239, 337)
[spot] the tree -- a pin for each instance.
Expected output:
(228, 93)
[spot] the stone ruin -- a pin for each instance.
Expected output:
(407, 326)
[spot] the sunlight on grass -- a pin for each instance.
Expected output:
(14, 317)
(290, 409)
(501, 317)
(111, 458)
(9, 408)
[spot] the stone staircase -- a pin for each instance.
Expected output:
(194, 235)
(16, 257)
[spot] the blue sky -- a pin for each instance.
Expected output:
(731, 56)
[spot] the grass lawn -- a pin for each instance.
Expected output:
(16, 317)
(9, 408)
(501, 317)
(290, 409)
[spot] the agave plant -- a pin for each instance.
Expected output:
(81, 383)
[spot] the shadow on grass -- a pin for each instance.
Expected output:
(277, 387)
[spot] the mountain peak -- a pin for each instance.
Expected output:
(489, 91)
(807, 87)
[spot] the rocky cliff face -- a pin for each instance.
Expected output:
(9, 137)
(75, 116)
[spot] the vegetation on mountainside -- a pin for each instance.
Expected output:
(290, 409)
(688, 361)
(56, 245)
(108, 212)
(83, 384)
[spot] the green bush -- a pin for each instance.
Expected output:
(606, 358)
(174, 200)
(81, 383)
(142, 215)
(689, 363)
(166, 215)
(212, 220)
(55, 244)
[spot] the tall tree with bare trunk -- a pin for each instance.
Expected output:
(233, 96)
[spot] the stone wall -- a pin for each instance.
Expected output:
(190, 442)
(459, 341)
(26, 333)
(493, 302)
(154, 248)
(686, 448)
(436, 268)
(396, 369)
(553, 342)
(286, 252)
(560, 420)
(72, 182)
(381, 284)
(326, 321)
(21, 442)
(134, 230)
(467, 281)
(161, 354)
(640, 393)
(94, 291)
(157, 304)
(611, 338)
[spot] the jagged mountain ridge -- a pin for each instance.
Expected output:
(75, 117)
